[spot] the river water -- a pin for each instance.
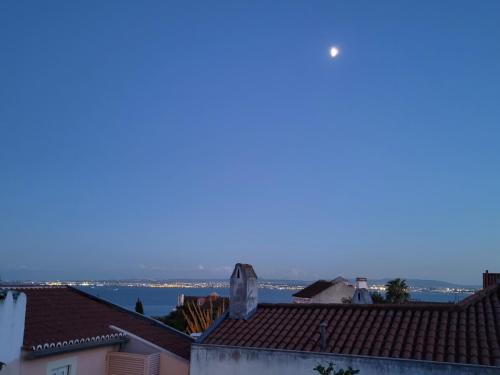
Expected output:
(160, 301)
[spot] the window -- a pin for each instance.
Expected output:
(64, 370)
(63, 366)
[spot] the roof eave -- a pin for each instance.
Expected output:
(212, 327)
(35, 354)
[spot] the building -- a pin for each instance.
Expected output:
(66, 331)
(377, 339)
(325, 291)
(204, 302)
(490, 279)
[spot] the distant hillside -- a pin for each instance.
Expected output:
(224, 283)
(429, 284)
(415, 283)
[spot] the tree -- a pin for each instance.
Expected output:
(191, 318)
(330, 370)
(397, 291)
(175, 319)
(198, 319)
(347, 300)
(377, 297)
(138, 307)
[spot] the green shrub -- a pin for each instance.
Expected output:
(330, 370)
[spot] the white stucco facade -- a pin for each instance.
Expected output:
(217, 360)
(81, 362)
(334, 294)
(12, 316)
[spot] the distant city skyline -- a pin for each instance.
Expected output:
(222, 273)
(172, 140)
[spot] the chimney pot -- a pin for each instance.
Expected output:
(361, 283)
(490, 279)
(322, 333)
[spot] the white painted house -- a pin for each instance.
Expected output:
(325, 291)
(64, 331)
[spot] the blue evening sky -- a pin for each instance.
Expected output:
(175, 138)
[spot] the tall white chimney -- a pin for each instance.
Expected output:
(361, 283)
(361, 293)
(243, 292)
(12, 315)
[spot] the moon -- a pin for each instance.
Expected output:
(334, 51)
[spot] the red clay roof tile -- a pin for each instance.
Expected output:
(467, 332)
(58, 314)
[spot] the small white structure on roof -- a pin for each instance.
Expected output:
(12, 315)
(362, 295)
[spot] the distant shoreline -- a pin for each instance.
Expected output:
(420, 286)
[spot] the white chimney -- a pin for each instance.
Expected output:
(361, 283)
(361, 293)
(242, 292)
(12, 315)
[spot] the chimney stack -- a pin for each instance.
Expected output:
(361, 293)
(12, 317)
(243, 292)
(490, 279)
(361, 283)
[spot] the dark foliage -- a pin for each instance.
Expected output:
(175, 319)
(330, 370)
(377, 297)
(397, 291)
(138, 307)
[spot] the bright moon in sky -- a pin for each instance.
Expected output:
(334, 51)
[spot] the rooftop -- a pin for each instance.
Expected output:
(65, 316)
(317, 287)
(467, 332)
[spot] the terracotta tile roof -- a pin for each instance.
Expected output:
(64, 314)
(468, 332)
(314, 289)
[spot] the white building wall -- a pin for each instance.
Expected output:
(82, 362)
(334, 294)
(12, 315)
(222, 360)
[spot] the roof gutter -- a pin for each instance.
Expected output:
(73, 348)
